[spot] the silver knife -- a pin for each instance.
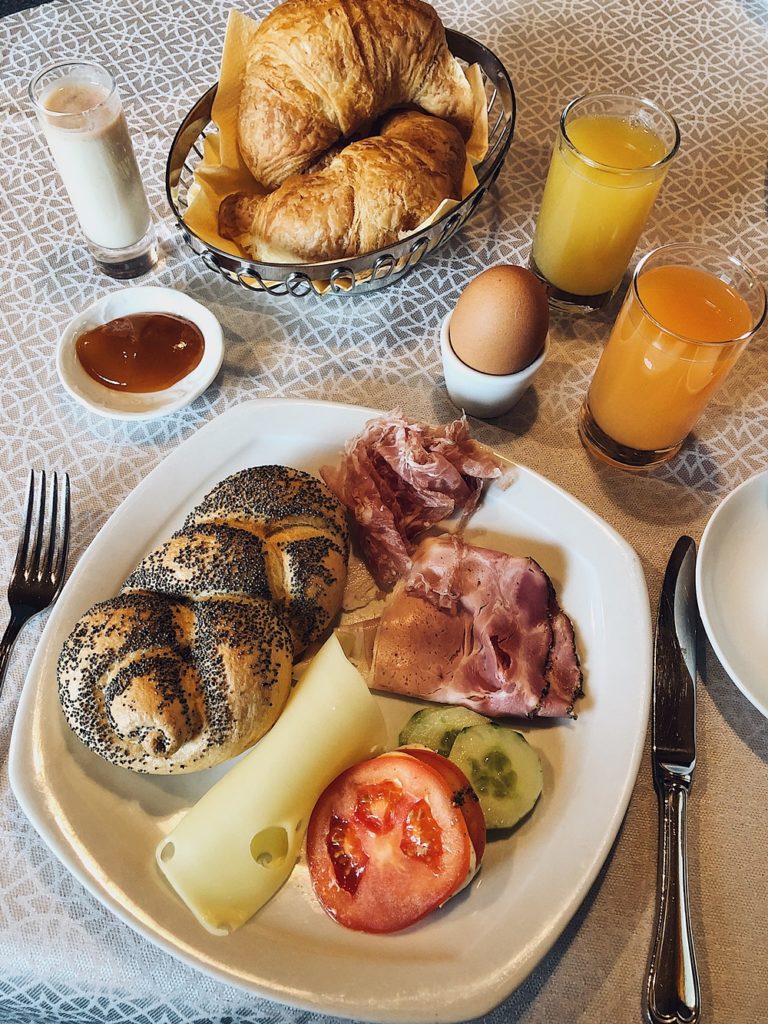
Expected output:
(672, 995)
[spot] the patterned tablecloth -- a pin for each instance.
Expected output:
(63, 957)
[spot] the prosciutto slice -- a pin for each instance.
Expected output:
(399, 478)
(480, 628)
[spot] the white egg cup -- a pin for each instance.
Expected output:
(484, 395)
(124, 405)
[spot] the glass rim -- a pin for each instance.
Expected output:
(76, 62)
(611, 168)
(725, 257)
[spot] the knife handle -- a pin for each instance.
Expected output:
(673, 980)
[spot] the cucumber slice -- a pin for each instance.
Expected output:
(438, 727)
(503, 769)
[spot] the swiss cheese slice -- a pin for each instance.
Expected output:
(235, 848)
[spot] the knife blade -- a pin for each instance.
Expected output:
(672, 990)
(674, 669)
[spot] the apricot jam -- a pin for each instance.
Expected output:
(141, 352)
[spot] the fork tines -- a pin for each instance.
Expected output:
(42, 552)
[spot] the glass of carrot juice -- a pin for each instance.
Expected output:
(610, 157)
(690, 312)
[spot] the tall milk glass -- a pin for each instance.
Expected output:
(79, 110)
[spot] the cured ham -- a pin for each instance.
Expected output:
(399, 478)
(475, 627)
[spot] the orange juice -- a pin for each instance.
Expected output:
(603, 179)
(653, 381)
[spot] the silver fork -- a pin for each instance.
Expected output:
(41, 560)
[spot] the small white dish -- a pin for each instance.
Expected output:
(147, 405)
(732, 587)
(484, 395)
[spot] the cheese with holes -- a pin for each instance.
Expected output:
(233, 850)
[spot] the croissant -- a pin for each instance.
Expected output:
(192, 662)
(321, 70)
(368, 194)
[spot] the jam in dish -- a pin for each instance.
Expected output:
(141, 352)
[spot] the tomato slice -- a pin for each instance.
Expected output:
(464, 795)
(387, 844)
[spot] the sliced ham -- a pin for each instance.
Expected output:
(563, 673)
(480, 628)
(399, 478)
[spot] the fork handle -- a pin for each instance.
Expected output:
(673, 981)
(12, 630)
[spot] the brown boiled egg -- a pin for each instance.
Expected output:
(500, 323)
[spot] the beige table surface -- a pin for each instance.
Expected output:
(65, 958)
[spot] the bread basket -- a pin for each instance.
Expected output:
(372, 270)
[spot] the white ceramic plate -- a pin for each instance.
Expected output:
(121, 405)
(732, 587)
(104, 823)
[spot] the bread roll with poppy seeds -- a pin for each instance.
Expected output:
(192, 662)
(303, 529)
(162, 686)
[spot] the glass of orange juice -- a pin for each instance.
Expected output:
(610, 158)
(690, 312)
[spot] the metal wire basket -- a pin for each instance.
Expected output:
(373, 269)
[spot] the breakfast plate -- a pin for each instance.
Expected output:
(104, 823)
(731, 587)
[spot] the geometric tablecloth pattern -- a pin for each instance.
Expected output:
(63, 957)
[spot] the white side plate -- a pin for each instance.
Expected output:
(732, 587)
(125, 405)
(104, 823)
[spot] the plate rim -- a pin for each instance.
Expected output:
(705, 546)
(507, 980)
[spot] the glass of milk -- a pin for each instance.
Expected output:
(82, 118)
